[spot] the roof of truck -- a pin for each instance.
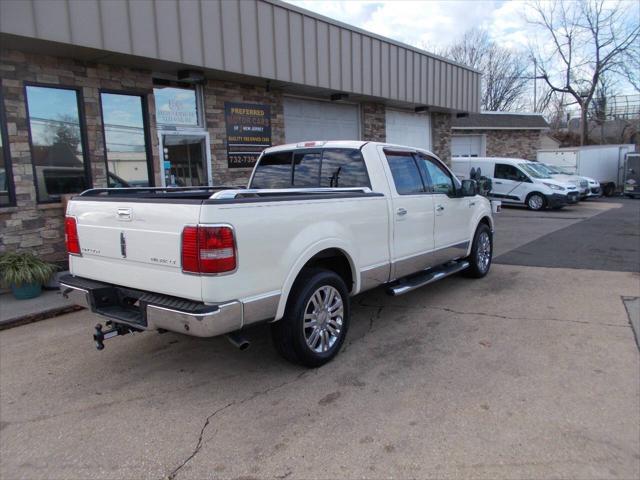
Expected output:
(338, 144)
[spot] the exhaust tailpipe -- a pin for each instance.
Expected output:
(238, 341)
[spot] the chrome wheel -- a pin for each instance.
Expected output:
(323, 319)
(536, 202)
(484, 252)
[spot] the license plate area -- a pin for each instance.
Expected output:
(119, 304)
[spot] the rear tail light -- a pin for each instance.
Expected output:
(71, 236)
(208, 249)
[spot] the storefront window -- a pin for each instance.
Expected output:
(56, 142)
(6, 180)
(176, 106)
(125, 140)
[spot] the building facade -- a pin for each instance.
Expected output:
(185, 93)
(499, 134)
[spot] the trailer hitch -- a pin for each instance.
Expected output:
(101, 335)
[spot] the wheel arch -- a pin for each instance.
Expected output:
(330, 257)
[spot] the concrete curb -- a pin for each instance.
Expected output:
(36, 317)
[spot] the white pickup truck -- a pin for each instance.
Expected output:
(319, 223)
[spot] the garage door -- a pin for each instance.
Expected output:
(407, 128)
(467, 146)
(309, 120)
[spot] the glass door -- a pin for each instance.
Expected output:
(185, 159)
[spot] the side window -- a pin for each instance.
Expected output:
(509, 172)
(343, 168)
(306, 169)
(439, 179)
(406, 175)
(273, 171)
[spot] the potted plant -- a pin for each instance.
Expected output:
(24, 273)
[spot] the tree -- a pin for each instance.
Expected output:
(503, 72)
(585, 40)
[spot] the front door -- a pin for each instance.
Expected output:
(185, 159)
(509, 183)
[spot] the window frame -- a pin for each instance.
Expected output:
(518, 172)
(145, 124)
(83, 135)
(200, 104)
(409, 153)
(443, 167)
(6, 151)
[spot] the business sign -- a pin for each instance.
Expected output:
(176, 106)
(248, 133)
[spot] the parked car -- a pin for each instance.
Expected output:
(632, 175)
(318, 223)
(518, 182)
(556, 173)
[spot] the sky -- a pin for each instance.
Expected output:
(432, 25)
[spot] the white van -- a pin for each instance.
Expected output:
(517, 182)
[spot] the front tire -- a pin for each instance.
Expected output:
(536, 202)
(315, 321)
(481, 253)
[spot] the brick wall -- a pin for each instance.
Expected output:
(39, 227)
(441, 135)
(509, 143)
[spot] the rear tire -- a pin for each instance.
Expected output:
(481, 253)
(536, 202)
(315, 321)
(609, 189)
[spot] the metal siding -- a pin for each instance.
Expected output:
(334, 58)
(231, 28)
(190, 35)
(295, 43)
(367, 67)
(115, 26)
(253, 37)
(309, 42)
(16, 16)
(249, 20)
(84, 15)
(266, 41)
(356, 66)
(281, 32)
(345, 61)
(143, 36)
(167, 23)
(323, 53)
(375, 67)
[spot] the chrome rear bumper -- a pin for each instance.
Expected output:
(198, 320)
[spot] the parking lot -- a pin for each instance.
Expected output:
(531, 372)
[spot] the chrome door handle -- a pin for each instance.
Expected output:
(471, 204)
(439, 208)
(498, 183)
(401, 212)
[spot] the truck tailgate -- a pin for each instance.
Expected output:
(135, 244)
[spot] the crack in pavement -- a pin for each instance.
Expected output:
(493, 315)
(200, 443)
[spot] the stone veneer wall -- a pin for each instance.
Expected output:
(39, 227)
(441, 135)
(374, 122)
(509, 143)
(216, 93)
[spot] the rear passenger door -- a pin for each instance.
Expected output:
(452, 213)
(412, 214)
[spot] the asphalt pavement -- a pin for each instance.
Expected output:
(531, 372)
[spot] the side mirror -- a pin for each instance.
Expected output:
(469, 188)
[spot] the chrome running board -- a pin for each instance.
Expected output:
(426, 277)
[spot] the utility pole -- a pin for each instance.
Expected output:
(535, 84)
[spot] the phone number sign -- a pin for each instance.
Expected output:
(248, 132)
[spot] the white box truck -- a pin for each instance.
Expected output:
(605, 163)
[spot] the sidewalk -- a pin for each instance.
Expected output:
(18, 312)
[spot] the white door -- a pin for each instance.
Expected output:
(412, 215)
(407, 128)
(510, 183)
(467, 146)
(452, 214)
(306, 120)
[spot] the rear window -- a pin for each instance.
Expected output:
(331, 167)
(274, 171)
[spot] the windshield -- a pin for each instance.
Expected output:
(534, 170)
(552, 170)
